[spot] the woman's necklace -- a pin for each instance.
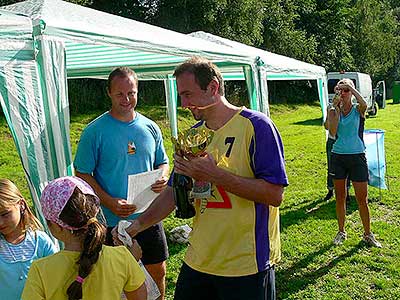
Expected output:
(345, 110)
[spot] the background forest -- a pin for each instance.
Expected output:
(351, 35)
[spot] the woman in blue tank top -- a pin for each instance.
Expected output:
(348, 161)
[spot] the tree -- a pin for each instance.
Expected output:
(8, 2)
(238, 20)
(375, 41)
(80, 2)
(329, 22)
(283, 32)
(140, 10)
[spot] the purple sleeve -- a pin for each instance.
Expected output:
(171, 178)
(266, 149)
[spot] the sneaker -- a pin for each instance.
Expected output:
(328, 195)
(371, 240)
(339, 238)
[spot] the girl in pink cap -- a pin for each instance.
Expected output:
(21, 241)
(85, 269)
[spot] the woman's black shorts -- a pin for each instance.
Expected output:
(351, 166)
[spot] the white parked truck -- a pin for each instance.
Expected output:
(363, 84)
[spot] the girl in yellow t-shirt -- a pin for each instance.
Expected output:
(85, 269)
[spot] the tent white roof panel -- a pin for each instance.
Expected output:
(278, 67)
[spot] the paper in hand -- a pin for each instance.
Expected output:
(122, 234)
(139, 189)
(152, 290)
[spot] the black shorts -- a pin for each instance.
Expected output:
(351, 166)
(152, 241)
(196, 285)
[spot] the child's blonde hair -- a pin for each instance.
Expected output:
(10, 196)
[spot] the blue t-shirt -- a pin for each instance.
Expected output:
(349, 135)
(110, 150)
(15, 261)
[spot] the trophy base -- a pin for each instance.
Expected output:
(201, 190)
(182, 186)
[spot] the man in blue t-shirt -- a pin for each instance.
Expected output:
(118, 143)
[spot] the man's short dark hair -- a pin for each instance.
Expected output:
(203, 70)
(121, 72)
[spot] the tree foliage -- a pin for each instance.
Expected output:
(329, 22)
(375, 45)
(282, 33)
(240, 20)
(141, 10)
(353, 35)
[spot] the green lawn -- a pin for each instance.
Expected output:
(311, 267)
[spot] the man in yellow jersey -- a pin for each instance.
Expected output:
(235, 239)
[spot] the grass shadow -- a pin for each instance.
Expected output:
(311, 122)
(318, 209)
(297, 277)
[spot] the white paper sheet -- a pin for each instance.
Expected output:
(139, 189)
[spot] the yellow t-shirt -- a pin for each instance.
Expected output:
(234, 236)
(275, 236)
(115, 271)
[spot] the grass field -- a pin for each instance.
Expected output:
(311, 267)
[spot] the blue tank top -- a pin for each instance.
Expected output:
(349, 135)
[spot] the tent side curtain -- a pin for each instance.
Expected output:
(251, 75)
(52, 69)
(263, 87)
(19, 84)
(323, 96)
(171, 100)
(36, 116)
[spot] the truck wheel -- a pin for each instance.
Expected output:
(374, 110)
(379, 100)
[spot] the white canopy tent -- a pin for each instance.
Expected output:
(274, 66)
(44, 42)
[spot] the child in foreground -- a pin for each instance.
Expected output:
(21, 241)
(85, 269)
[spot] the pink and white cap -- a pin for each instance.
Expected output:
(56, 195)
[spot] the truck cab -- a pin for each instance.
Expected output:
(363, 84)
